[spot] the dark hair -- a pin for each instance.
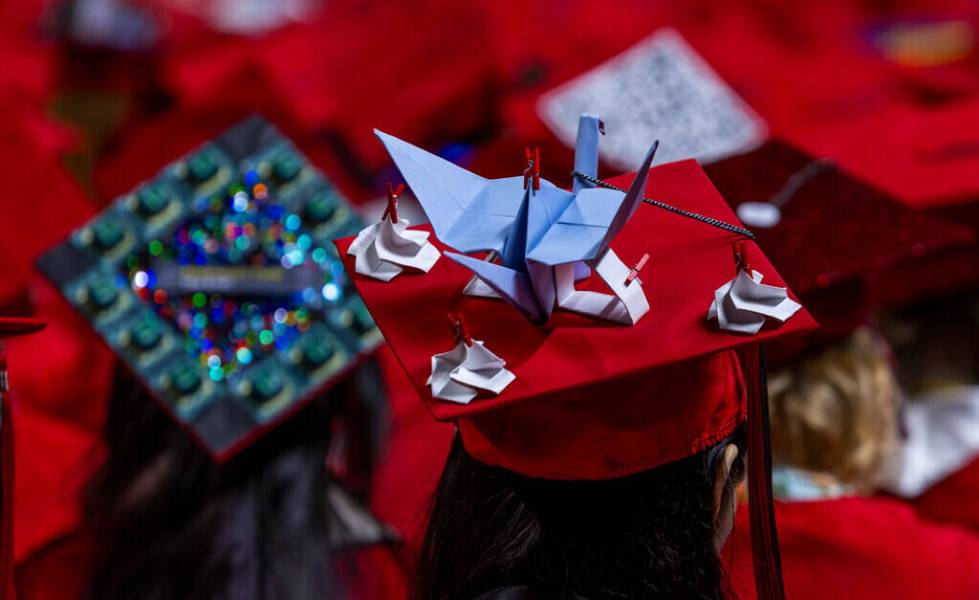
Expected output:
(172, 524)
(647, 535)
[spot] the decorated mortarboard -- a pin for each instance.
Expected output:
(839, 243)
(580, 342)
(216, 283)
(9, 327)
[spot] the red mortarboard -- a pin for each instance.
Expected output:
(329, 73)
(925, 157)
(842, 245)
(9, 327)
(670, 386)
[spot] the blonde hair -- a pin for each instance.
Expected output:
(837, 411)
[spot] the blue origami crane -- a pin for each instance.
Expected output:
(544, 237)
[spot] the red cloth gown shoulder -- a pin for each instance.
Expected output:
(861, 548)
(953, 500)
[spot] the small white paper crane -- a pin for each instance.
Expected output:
(386, 248)
(626, 304)
(743, 304)
(459, 374)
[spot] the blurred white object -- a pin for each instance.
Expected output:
(658, 89)
(248, 17)
(762, 215)
(942, 437)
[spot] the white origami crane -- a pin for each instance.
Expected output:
(743, 304)
(459, 374)
(386, 248)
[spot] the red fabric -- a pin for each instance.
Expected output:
(645, 421)
(339, 74)
(761, 516)
(59, 571)
(35, 217)
(689, 261)
(903, 254)
(829, 218)
(861, 548)
(376, 573)
(954, 499)
(13, 326)
(923, 156)
(812, 72)
(759, 48)
(6, 496)
(52, 460)
(65, 370)
(404, 479)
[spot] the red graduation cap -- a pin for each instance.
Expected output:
(594, 400)
(9, 327)
(842, 245)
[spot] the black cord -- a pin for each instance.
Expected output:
(684, 213)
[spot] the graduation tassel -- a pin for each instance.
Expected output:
(764, 536)
(6, 489)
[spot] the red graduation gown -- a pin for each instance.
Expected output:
(954, 500)
(861, 548)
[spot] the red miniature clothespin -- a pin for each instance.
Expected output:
(459, 328)
(392, 208)
(634, 272)
(533, 168)
(741, 257)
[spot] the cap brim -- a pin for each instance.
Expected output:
(15, 326)
(688, 261)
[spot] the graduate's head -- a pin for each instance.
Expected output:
(835, 410)
(616, 489)
(173, 523)
(597, 451)
(651, 534)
